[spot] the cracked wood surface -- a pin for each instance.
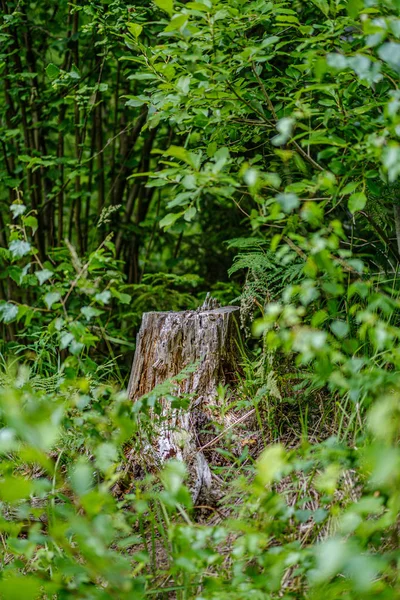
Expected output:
(203, 344)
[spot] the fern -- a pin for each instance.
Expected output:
(268, 274)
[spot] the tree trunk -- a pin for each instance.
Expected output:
(196, 351)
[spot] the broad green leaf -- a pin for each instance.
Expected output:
(18, 587)
(17, 210)
(183, 85)
(106, 455)
(51, 298)
(166, 5)
(52, 71)
(288, 201)
(65, 340)
(43, 275)
(81, 477)
(322, 5)
(135, 29)
(19, 248)
(103, 297)
(390, 53)
(180, 153)
(285, 129)
(271, 465)
(354, 7)
(89, 312)
(8, 312)
(76, 347)
(170, 219)
(31, 222)
(201, 6)
(340, 328)
(190, 213)
(357, 202)
(349, 188)
(14, 488)
(177, 22)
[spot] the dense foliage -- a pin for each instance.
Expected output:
(152, 152)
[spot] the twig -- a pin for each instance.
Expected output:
(215, 440)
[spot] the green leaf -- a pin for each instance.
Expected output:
(15, 587)
(103, 297)
(271, 465)
(65, 340)
(357, 202)
(43, 275)
(190, 213)
(8, 312)
(52, 71)
(285, 129)
(31, 222)
(354, 7)
(166, 5)
(19, 248)
(135, 29)
(179, 153)
(106, 455)
(51, 298)
(17, 210)
(81, 477)
(169, 220)
(288, 201)
(349, 188)
(76, 347)
(390, 53)
(322, 5)
(89, 312)
(340, 329)
(14, 488)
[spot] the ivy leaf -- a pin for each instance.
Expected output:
(51, 298)
(65, 340)
(17, 210)
(103, 297)
(19, 248)
(89, 312)
(166, 5)
(75, 347)
(31, 222)
(8, 312)
(357, 202)
(390, 53)
(340, 329)
(288, 202)
(43, 275)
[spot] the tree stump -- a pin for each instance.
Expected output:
(167, 344)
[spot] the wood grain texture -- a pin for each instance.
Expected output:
(167, 344)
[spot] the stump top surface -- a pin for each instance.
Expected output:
(213, 311)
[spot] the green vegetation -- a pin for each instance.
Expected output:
(152, 152)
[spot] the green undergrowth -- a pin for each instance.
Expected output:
(297, 518)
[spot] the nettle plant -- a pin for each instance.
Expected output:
(64, 306)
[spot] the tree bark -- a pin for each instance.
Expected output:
(196, 351)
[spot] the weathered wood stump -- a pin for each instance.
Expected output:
(167, 344)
